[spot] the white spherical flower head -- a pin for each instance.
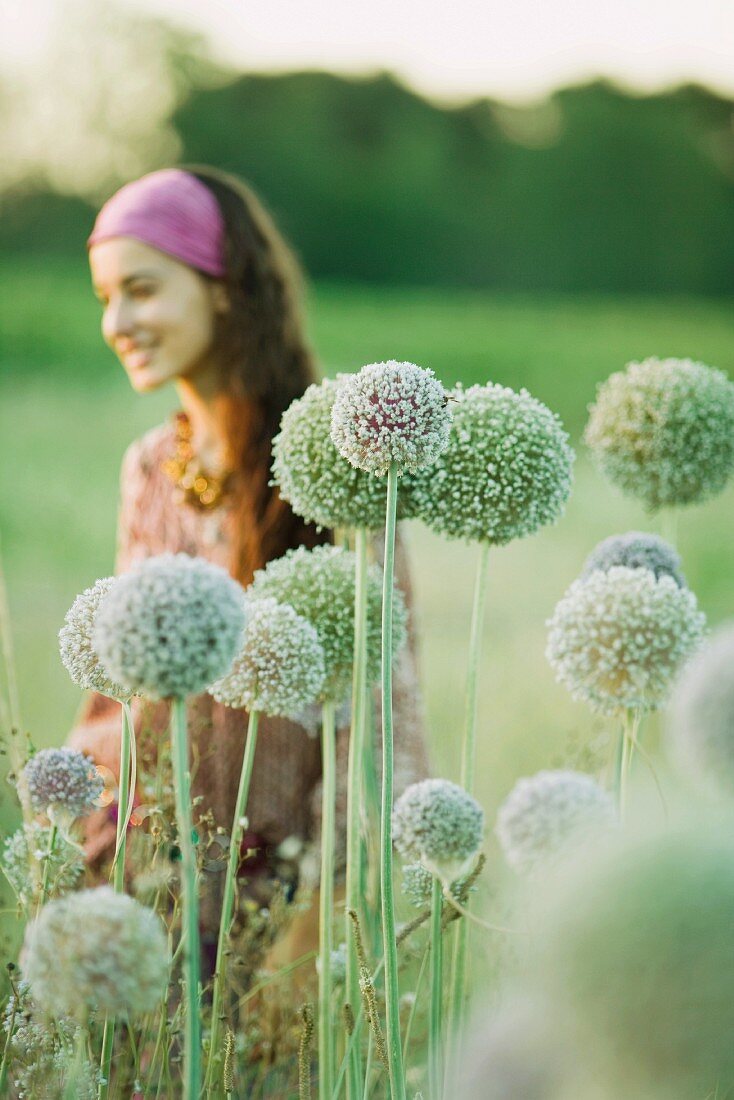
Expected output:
(318, 483)
(439, 824)
(545, 814)
(62, 783)
(319, 584)
(663, 431)
(390, 414)
(280, 667)
(701, 721)
(636, 550)
(617, 639)
(96, 950)
(171, 626)
(506, 472)
(75, 643)
(30, 842)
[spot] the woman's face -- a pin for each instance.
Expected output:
(159, 314)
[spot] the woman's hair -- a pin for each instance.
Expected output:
(266, 364)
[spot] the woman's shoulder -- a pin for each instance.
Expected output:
(146, 453)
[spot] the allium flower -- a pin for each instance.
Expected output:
(170, 626)
(281, 664)
(319, 585)
(617, 639)
(30, 842)
(318, 483)
(96, 950)
(547, 812)
(701, 720)
(636, 550)
(390, 413)
(663, 431)
(75, 643)
(506, 472)
(439, 824)
(62, 782)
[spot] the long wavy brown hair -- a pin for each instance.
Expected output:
(266, 364)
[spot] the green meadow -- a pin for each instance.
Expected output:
(67, 413)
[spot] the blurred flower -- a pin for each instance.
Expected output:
(617, 639)
(319, 585)
(636, 550)
(280, 666)
(75, 643)
(96, 950)
(170, 626)
(62, 782)
(506, 472)
(440, 824)
(30, 842)
(701, 717)
(545, 814)
(338, 964)
(663, 431)
(417, 884)
(390, 413)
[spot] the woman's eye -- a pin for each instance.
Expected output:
(141, 290)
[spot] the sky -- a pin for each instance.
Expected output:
(448, 49)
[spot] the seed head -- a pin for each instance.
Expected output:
(663, 431)
(96, 950)
(439, 824)
(390, 413)
(546, 813)
(62, 782)
(617, 639)
(75, 643)
(170, 626)
(506, 471)
(280, 667)
(636, 550)
(701, 720)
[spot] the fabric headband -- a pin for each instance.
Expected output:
(171, 210)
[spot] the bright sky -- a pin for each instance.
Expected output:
(449, 49)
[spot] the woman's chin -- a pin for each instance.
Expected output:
(144, 381)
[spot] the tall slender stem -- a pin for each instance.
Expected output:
(189, 898)
(354, 801)
(392, 993)
(461, 936)
(435, 1051)
(326, 902)
(47, 866)
(228, 900)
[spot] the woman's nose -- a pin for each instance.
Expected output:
(117, 319)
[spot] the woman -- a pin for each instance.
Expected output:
(198, 288)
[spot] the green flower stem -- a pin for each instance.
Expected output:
(435, 1052)
(392, 993)
(47, 866)
(228, 900)
(190, 900)
(71, 1090)
(326, 902)
(354, 875)
(461, 937)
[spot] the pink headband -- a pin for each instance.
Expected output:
(171, 210)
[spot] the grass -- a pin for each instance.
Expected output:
(67, 413)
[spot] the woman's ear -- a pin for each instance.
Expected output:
(220, 298)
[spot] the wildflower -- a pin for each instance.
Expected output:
(636, 550)
(96, 950)
(439, 824)
(319, 585)
(338, 964)
(663, 431)
(280, 666)
(545, 813)
(390, 413)
(170, 626)
(318, 483)
(417, 884)
(617, 639)
(63, 782)
(701, 720)
(75, 643)
(30, 842)
(506, 471)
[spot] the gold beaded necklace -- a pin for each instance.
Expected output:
(193, 484)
